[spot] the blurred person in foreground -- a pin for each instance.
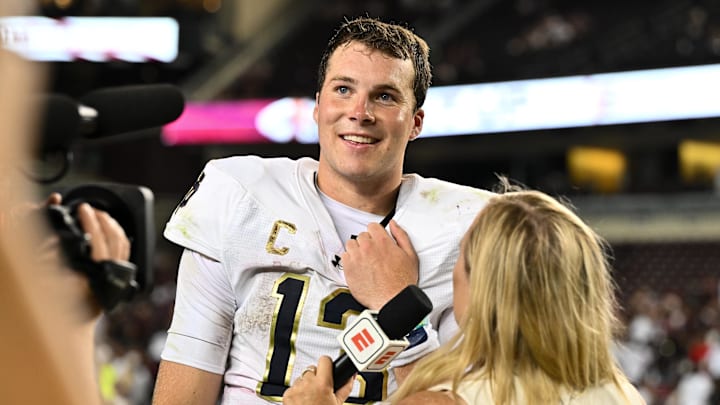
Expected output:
(281, 254)
(47, 311)
(536, 306)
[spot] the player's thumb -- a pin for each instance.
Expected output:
(402, 238)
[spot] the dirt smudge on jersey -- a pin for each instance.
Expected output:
(256, 314)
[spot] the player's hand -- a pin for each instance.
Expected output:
(315, 386)
(377, 267)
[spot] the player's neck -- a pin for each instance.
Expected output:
(373, 197)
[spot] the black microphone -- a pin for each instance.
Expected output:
(59, 124)
(396, 318)
(132, 108)
(106, 112)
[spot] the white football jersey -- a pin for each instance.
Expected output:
(261, 296)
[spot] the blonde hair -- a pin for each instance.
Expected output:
(541, 309)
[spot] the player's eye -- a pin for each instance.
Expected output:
(386, 97)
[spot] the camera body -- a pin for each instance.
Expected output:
(132, 207)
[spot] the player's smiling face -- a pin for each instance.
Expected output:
(366, 115)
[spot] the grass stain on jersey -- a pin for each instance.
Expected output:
(183, 222)
(432, 195)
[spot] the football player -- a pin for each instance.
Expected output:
(281, 254)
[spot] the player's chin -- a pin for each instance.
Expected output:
(359, 171)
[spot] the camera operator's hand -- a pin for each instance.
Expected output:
(107, 238)
(108, 241)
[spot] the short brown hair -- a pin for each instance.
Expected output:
(392, 39)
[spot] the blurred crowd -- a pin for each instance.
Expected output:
(671, 348)
(490, 41)
(131, 337)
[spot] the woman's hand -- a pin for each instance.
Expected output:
(315, 387)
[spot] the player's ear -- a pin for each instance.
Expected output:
(418, 124)
(315, 109)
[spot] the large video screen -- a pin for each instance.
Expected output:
(94, 39)
(573, 101)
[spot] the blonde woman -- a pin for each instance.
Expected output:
(535, 303)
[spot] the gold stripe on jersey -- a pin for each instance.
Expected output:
(381, 378)
(294, 312)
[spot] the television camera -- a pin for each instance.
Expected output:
(101, 113)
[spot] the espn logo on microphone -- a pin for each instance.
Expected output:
(369, 348)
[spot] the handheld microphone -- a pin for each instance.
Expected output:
(106, 112)
(375, 338)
